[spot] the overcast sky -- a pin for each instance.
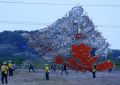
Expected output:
(16, 16)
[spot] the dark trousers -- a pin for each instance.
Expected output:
(94, 74)
(31, 69)
(47, 75)
(4, 77)
(53, 69)
(10, 72)
(13, 70)
(65, 71)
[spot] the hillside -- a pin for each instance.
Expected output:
(13, 45)
(116, 53)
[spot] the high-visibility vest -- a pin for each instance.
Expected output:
(46, 69)
(93, 69)
(10, 65)
(4, 69)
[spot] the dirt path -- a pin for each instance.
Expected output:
(23, 77)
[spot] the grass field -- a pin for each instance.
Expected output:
(23, 77)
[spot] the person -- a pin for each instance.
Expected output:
(47, 71)
(22, 66)
(64, 69)
(31, 68)
(94, 70)
(110, 70)
(53, 67)
(14, 67)
(4, 73)
(10, 66)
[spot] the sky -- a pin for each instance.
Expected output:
(16, 16)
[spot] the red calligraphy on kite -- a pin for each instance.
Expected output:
(82, 60)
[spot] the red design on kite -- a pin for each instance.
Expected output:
(81, 59)
(59, 60)
(79, 36)
(48, 48)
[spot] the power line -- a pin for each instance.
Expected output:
(24, 23)
(33, 3)
(20, 16)
(108, 26)
(47, 24)
(104, 5)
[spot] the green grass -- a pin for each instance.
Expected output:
(23, 77)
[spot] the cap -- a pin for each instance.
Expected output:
(10, 61)
(94, 64)
(46, 64)
(5, 63)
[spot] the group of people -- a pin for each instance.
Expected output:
(63, 69)
(7, 68)
(53, 68)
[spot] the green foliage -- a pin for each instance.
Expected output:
(13, 41)
(4, 59)
(115, 60)
(19, 60)
(14, 47)
(118, 67)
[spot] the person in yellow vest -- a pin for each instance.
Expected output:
(10, 66)
(94, 70)
(47, 71)
(4, 70)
